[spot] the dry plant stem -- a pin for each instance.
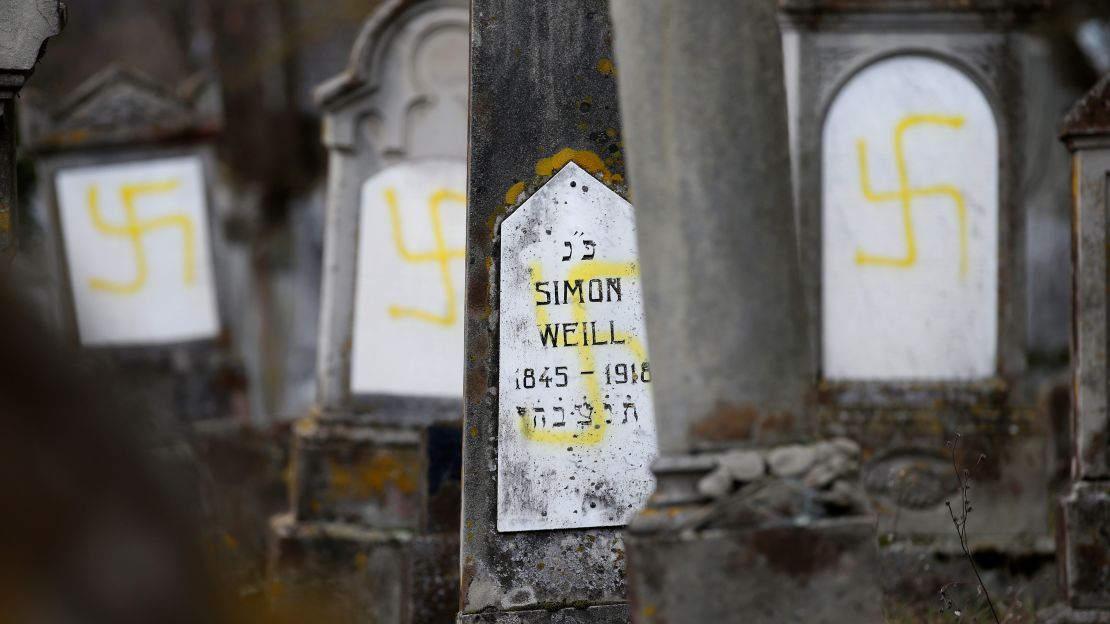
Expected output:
(961, 525)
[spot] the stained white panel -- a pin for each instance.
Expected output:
(910, 226)
(137, 250)
(408, 320)
(576, 430)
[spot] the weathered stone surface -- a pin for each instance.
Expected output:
(1083, 545)
(342, 573)
(791, 461)
(727, 314)
(1063, 614)
(743, 466)
(369, 476)
(606, 614)
(835, 459)
(1083, 542)
(432, 579)
(117, 106)
(823, 573)
(542, 95)
(242, 482)
(717, 483)
(998, 6)
(338, 573)
(691, 152)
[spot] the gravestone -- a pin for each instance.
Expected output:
(1084, 513)
(747, 523)
(25, 25)
(907, 133)
(559, 426)
(375, 483)
(127, 171)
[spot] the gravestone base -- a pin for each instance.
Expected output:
(826, 571)
(187, 384)
(346, 471)
(348, 573)
(1084, 546)
(1063, 614)
(600, 614)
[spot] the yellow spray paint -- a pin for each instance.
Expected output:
(135, 228)
(595, 432)
(906, 194)
(441, 255)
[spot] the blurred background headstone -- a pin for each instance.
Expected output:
(375, 479)
(932, 229)
(1083, 543)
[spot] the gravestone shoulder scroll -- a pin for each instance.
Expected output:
(127, 170)
(559, 425)
(907, 127)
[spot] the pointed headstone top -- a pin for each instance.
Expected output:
(1091, 114)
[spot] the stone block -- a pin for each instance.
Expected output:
(339, 573)
(792, 460)
(371, 476)
(1083, 538)
(336, 573)
(604, 614)
(743, 466)
(823, 572)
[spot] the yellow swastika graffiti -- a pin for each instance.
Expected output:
(906, 194)
(441, 255)
(135, 229)
(595, 433)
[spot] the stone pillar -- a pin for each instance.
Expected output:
(1083, 546)
(373, 528)
(25, 25)
(919, 309)
(705, 113)
(559, 426)
(138, 261)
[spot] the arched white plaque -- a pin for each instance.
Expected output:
(910, 226)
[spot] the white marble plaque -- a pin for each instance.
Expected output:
(408, 319)
(137, 251)
(576, 426)
(910, 226)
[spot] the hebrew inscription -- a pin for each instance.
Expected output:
(576, 426)
(910, 226)
(408, 331)
(136, 243)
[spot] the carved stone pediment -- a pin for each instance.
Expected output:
(117, 106)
